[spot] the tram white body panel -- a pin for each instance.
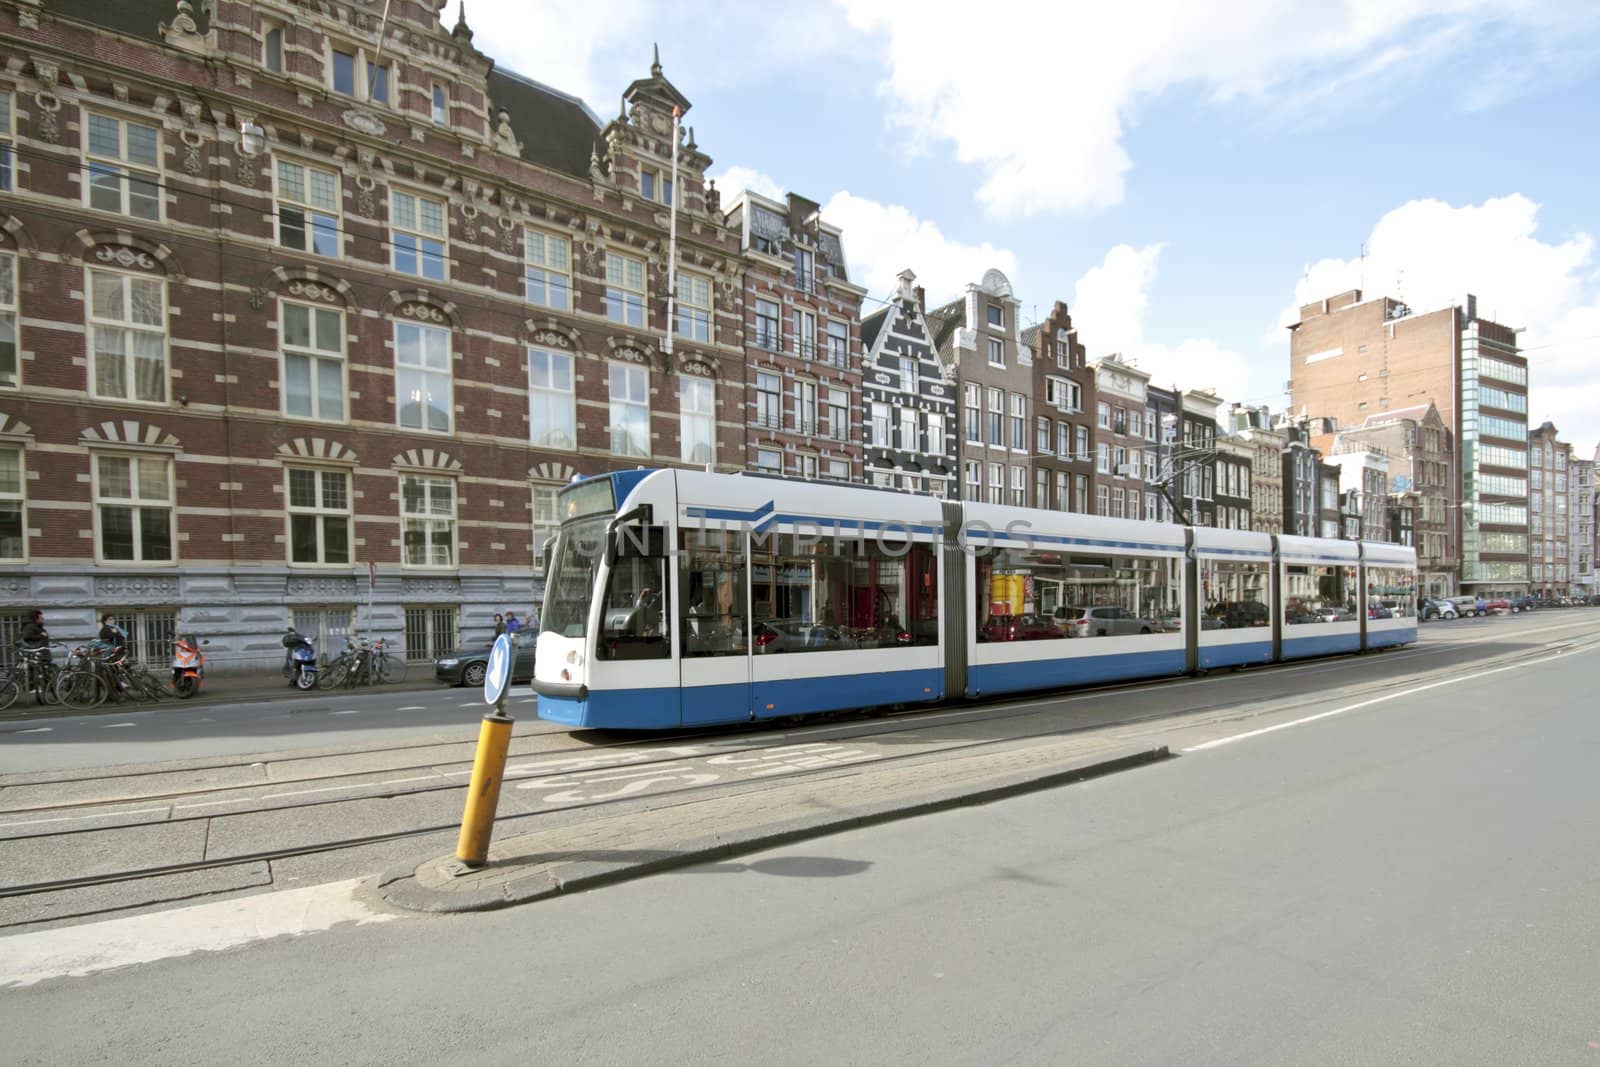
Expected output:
(1235, 568)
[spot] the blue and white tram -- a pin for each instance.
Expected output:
(678, 598)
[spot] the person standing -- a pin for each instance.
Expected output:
(111, 633)
(499, 624)
(513, 627)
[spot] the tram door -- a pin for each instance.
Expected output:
(715, 626)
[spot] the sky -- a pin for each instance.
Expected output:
(1182, 175)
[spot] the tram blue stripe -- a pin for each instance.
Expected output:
(1071, 670)
(1234, 655)
(1300, 647)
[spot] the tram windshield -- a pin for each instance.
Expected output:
(569, 587)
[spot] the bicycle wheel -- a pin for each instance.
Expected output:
(391, 669)
(46, 692)
(8, 691)
(145, 686)
(82, 690)
(334, 674)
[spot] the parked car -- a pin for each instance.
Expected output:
(798, 635)
(1104, 622)
(1527, 603)
(1020, 628)
(1465, 605)
(471, 666)
(1497, 606)
(1336, 615)
(1439, 608)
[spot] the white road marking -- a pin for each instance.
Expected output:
(75, 951)
(73, 818)
(117, 725)
(37, 730)
(350, 711)
(1220, 741)
(412, 707)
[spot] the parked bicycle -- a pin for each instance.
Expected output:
(96, 673)
(33, 672)
(362, 663)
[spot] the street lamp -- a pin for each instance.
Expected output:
(252, 138)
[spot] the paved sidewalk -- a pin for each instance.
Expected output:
(682, 832)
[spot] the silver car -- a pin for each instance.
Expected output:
(1105, 622)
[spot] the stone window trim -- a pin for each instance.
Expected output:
(17, 498)
(11, 319)
(128, 325)
(392, 226)
(429, 477)
(319, 511)
(361, 59)
(316, 356)
(280, 201)
(153, 173)
(121, 450)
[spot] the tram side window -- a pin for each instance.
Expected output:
(636, 619)
(841, 594)
(1316, 593)
(1391, 593)
(1028, 594)
(1235, 594)
(711, 592)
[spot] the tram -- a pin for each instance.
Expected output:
(676, 598)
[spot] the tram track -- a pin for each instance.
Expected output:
(865, 729)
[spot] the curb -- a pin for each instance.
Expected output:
(401, 887)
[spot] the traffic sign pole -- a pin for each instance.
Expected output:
(489, 764)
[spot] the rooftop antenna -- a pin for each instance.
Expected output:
(1362, 276)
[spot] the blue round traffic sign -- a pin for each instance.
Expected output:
(498, 676)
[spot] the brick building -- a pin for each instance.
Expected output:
(1351, 358)
(910, 398)
(1125, 431)
(1064, 405)
(978, 338)
(305, 325)
(1235, 459)
(1582, 475)
(802, 331)
(1549, 513)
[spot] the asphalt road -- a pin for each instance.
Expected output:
(289, 720)
(1407, 881)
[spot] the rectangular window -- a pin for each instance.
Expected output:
(838, 342)
(1080, 443)
(769, 400)
(697, 418)
(552, 414)
(1042, 436)
(124, 165)
(769, 461)
(908, 430)
(996, 316)
(625, 290)
(878, 427)
(10, 366)
(767, 335)
(272, 48)
(1133, 504)
(1063, 494)
(805, 334)
(997, 418)
(1102, 505)
(1019, 487)
(694, 307)
(128, 336)
(312, 339)
(417, 235)
(343, 72)
(806, 466)
(974, 480)
(1149, 464)
(805, 408)
(908, 375)
(6, 134)
(997, 483)
(422, 377)
(1102, 457)
(319, 516)
(655, 186)
(804, 270)
(630, 410)
(1116, 503)
(1103, 414)
(839, 414)
(935, 434)
(352, 73)
(1019, 422)
(837, 470)
(428, 520)
(1064, 440)
(308, 208)
(13, 497)
(1135, 423)
(441, 105)
(133, 504)
(546, 270)
(546, 519)
(1149, 424)
(997, 352)
(974, 415)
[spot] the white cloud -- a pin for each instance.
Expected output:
(881, 240)
(735, 180)
(1108, 308)
(1431, 255)
(1040, 100)
(519, 37)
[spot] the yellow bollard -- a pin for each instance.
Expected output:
(483, 795)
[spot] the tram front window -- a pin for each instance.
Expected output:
(569, 587)
(635, 620)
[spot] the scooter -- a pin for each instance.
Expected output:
(299, 660)
(188, 666)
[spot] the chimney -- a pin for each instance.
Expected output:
(922, 298)
(1472, 308)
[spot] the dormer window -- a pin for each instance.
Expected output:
(441, 105)
(997, 317)
(655, 185)
(272, 47)
(804, 267)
